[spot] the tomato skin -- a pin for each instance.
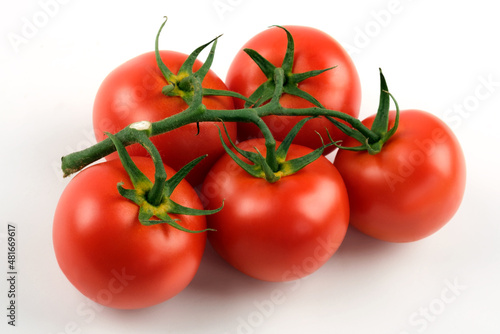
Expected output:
(108, 255)
(278, 231)
(413, 187)
(337, 89)
(133, 92)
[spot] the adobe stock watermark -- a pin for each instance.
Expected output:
(224, 7)
(420, 320)
(408, 164)
(12, 273)
(87, 310)
(32, 24)
(380, 19)
(266, 308)
(486, 87)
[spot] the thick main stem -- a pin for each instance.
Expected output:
(76, 161)
(197, 112)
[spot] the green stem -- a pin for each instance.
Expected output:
(271, 159)
(270, 143)
(155, 195)
(315, 111)
(197, 112)
(76, 161)
(155, 192)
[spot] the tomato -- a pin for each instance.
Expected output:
(108, 255)
(412, 187)
(337, 89)
(133, 92)
(278, 231)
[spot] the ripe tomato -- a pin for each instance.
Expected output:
(412, 187)
(337, 89)
(278, 231)
(133, 92)
(108, 255)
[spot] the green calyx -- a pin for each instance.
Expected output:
(154, 199)
(380, 130)
(291, 80)
(272, 170)
(181, 84)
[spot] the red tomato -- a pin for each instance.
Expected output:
(133, 92)
(108, 255)
(337, 89)
(412, 187)
(278, 231)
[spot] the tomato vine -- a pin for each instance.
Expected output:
(187, 85)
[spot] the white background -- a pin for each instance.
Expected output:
(440, 56)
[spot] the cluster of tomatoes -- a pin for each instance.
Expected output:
(275, 231)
